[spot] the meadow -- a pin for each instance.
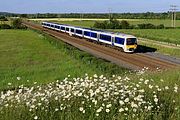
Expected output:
(90, 22)
(38, 58)
(165, 35)
(43, 78)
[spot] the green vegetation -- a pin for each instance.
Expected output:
(90, 23)
(115, 24)
(165, 35)
(147, 15)
(40, 58)
(28, 57)
(96, 97)
(83, 23)
(162, 49)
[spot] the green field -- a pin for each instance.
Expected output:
(165, 35)
(28, 57)
(37, 58)
(89, 23)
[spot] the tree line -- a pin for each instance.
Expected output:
(15, 23)
(116, 24)
(147, 15)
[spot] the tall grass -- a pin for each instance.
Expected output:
(165, 35)
(96, 97)
(43, 59)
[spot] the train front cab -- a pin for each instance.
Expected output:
(130, 44)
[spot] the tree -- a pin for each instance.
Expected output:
(124, 24)
(17, 24)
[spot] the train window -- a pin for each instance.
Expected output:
(58, 27)
(62, 28)
(119, 40)
(52, 25)
(79, 32)
(105, 37)
(67, 29)
(131, 41)
(86, 33)
(72, 30)
(94, 35)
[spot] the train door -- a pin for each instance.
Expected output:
(113, 40)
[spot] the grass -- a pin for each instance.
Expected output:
(87, 23)
(73, 21)
(165, 35)
(39, 58)
(150, 97)
(43, 59)
(161, 49)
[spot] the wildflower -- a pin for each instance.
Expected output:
(9, 84)
(176, 89)
(56, 109)
(121, 110)
(95, 76)
(150, 86)
(18, 78)
(81, 109)
(121, 102)
(107, 110)
(97, 114)
(166, 87)
(36, 117)
(156, 100)
(108, 106)
(99, 110)
(126, 100)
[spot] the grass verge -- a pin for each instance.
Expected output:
(39, 58)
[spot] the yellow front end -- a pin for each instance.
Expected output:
(131, 48)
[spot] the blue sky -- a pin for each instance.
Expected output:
(85, 6)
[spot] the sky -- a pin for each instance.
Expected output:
(86, 6)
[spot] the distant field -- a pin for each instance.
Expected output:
(35, 57)
(166, 35)
(75, 21)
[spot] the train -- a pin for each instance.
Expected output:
(128, 43)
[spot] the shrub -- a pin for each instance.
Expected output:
(17, 24)
(3, 18)
(5, 26)
(124, 24)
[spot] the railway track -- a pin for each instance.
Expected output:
(136, 61)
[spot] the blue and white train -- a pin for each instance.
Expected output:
(127, 42)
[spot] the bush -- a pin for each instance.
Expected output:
(3, 18)
(124, 24)
(111, 24)
(161, 26)
(150, 26)
(5, 26)
(17, 24)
